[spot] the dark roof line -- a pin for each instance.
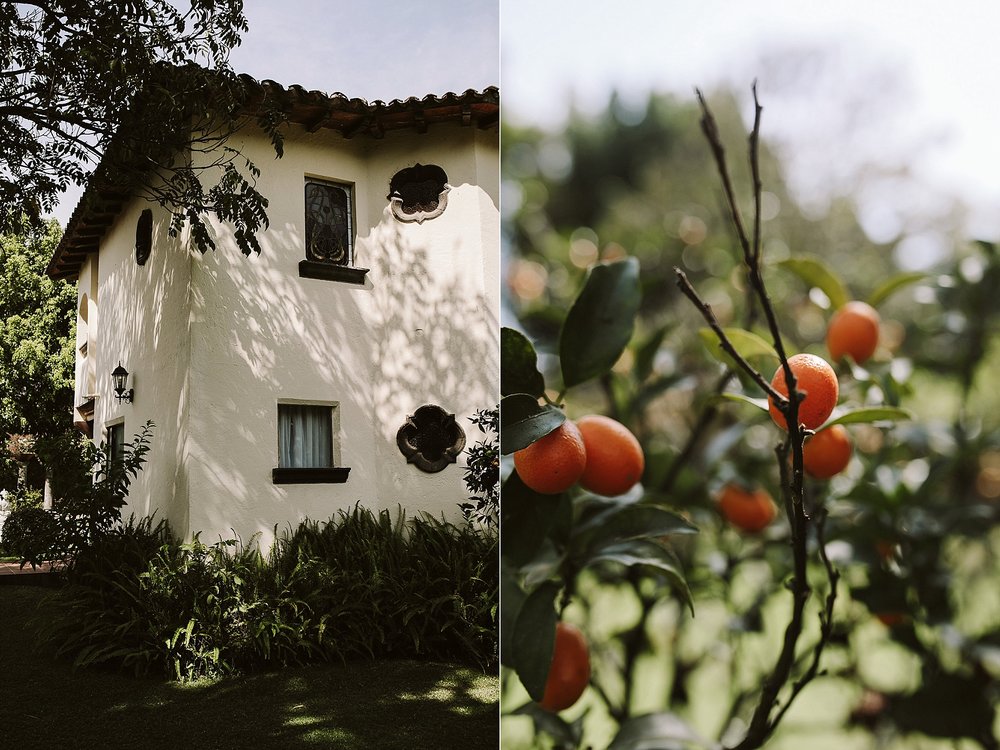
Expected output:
(102, 200)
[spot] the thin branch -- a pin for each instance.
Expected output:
(706, 311)
(825, 618)
(761, 723)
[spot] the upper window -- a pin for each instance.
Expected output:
(306, 445)
(419, 192)
(328, 223)
(144, 237)
(329, 237)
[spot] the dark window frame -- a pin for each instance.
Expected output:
(319, 264)
(331, 474)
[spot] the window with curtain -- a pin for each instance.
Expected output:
(305, 436)
(308, 450)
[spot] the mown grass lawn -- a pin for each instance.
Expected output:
(44, 703)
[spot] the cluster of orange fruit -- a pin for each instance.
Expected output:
(604, 457)
(854, 331)
(598, 452)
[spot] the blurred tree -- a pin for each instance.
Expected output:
(37, 335)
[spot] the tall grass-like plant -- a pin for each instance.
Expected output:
(360, 585)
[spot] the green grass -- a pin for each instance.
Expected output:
(44, 703)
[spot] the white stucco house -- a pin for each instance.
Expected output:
(324, 371)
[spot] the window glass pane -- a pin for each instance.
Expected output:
(116, 443)
(305, 436)
(328, 223)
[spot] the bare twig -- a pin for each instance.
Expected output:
(761, 722)
(825, 619)
(706, 311)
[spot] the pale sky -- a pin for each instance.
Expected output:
(391, 49)
(907, 84)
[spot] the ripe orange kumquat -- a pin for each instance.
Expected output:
(853, 330)
(614, 457)
(748, 510)
(891, 619)
(816, 379)
(553, 463)
(828, 452)
(569, 672)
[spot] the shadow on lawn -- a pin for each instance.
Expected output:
(386, 704)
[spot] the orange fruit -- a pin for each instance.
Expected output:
(749, 510)
(891, 619)
(827, 452)
(885, 549)
(553, 463)
(614, 457)
(853, 330)
(569, 671)
(816, 379)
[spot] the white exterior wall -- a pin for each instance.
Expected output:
(138, 315)
(216, 341)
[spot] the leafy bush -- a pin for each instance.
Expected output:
(90, 488)
(359, 585)
(482, 472)
(34, 535)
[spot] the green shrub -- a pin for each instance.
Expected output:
(359, 585)
(34, 535)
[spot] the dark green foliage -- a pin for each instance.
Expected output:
(358, 586)
(482, 471)
(90, 488)
(130, 87)
(33, 535)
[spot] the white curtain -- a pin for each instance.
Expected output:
(305, 436)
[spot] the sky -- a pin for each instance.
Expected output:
(391, 49)
(907, 85)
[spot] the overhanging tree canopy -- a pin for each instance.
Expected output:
(144, 89)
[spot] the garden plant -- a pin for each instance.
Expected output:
(789, 511)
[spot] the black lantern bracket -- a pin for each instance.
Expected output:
(119, 376)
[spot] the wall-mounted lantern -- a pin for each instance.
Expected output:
(119, 376)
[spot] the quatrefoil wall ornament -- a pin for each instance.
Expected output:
(418, 193)
(430, 439)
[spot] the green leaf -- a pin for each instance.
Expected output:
(654, 731)
(519, 365)
(815, 273)
(748, 345)
(599, 324)
(894, 284)
(621, 521)
(523, 421)
(534, 638)
(527, 517)
(650, 555)
(513, 597)
(870, 414)
(760, 403)
(645, 354)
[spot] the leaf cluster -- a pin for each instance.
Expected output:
(143, 89)
(360, 585)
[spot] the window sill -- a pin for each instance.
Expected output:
(311, 269)
(331, 475)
